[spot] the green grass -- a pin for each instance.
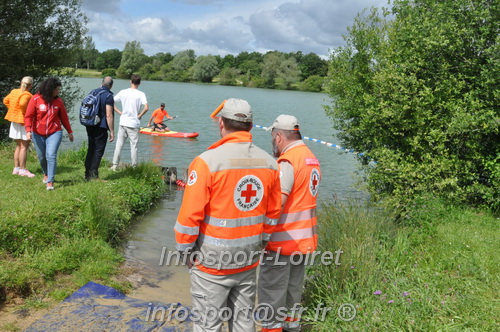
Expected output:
(437, 272)
(52, 242)
(92, 73)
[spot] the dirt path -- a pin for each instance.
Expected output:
(14, 317)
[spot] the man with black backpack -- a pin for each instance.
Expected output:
(98, 133)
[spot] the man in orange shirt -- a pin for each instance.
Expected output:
(158, 116)
(230, 207)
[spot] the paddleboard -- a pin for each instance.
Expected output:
(149, 131)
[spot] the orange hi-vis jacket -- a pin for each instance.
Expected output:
(296, 229)
(17, 102)
(231, 205)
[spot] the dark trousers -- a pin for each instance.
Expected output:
(97, 139)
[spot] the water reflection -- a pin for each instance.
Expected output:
(157, 150)
(147, 240)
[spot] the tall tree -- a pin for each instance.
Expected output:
(227, 62)
(244, 56)
(205, 68)
(109, 59)
(38, 38)
(271, 68)
(159, 59)
(228, 76)
(133, 58)
(178, 68)
(311, 64)
(419, 95)
(250, 68)
(288, 74)
(89, 53)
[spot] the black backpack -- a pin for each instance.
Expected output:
(89, 110)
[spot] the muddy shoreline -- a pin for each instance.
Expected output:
(146, 284)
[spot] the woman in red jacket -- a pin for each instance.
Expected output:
(44, 116)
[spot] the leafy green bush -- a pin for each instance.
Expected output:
(108, 72)
(313, 83)
(228, 76)
(419, 95)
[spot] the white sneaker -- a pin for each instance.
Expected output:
(15, 171)
(113, 168)
(25, 172)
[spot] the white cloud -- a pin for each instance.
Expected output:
(232, 27)
(222, 35)
(308, 26)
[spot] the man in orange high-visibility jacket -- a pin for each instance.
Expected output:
(282, 271)
(230, 208)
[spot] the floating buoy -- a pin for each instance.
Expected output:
(217, 110)
(320, 141)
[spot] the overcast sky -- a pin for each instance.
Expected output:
(221, 27)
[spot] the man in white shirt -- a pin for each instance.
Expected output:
(132, 100)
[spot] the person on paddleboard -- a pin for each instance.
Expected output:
(158, 115)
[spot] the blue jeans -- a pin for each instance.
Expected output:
(46, 149)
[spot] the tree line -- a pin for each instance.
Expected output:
(272, 70)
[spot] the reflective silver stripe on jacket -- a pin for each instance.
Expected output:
(231, 223)
(272, 222)
(297, 234)
(184, 246)
(297, 216)
(234, 243)
(187, 230)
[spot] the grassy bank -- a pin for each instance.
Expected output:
(89, 73)
(438, 271)
(52, 242)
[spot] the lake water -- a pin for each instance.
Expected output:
(193, 103)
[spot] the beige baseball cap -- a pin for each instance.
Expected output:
(237, 109)
(285, 122)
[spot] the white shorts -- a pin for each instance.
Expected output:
(17, 131)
